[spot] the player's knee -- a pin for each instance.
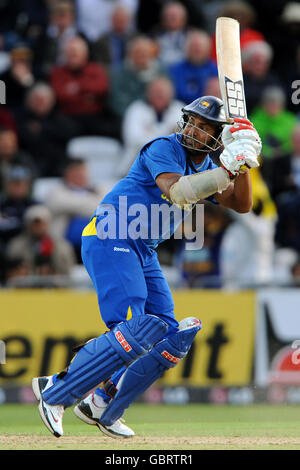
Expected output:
(173, 349)
(136, 336)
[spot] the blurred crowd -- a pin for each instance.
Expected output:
(88, 82)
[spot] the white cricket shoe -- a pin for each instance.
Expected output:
(88, 411)
(51, 414)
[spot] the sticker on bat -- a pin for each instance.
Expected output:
(236, 100)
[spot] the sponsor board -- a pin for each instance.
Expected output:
(277, 350)
(40, 328)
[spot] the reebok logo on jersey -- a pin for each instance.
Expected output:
(170, 358)
(123, 341)
(125, 250)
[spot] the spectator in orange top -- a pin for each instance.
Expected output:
(81, 89)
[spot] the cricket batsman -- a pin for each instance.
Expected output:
(144, 340)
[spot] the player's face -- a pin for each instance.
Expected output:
(199, 134)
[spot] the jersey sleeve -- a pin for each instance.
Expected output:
(161, 157)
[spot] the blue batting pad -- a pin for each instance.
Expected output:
(145, 370)
(102, 356)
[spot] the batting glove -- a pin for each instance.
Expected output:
(239, 154)
(241, 130)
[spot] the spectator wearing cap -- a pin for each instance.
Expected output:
(19, 77)
(190, 76)
(11, 154)
(274, 123)
(42, 253)
(81, 89)
(44, 131)
(72, 201)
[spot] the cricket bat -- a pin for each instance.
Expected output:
(230, 68)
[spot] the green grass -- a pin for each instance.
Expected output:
(162, 427)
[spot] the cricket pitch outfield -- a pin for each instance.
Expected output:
(157, 427)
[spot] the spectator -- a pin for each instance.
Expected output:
(44, 131)
(251, 262)
(172, 34)
(274, 123)
(81, 89)
(149, 14)
(286, 38)
(110, 48)
(14, 202)
(14, 268)
(7, 119)
(201, 268)
(256, 60)
(288, 226)
(72, 202)
(245, 14)
(48, 49)
(147, 119)
(129, 81)
(11, 155)
(191, 75)
(94, 16)
(285, 170)
(43, 254)
(19, 77)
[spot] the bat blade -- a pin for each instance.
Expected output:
(230, 68)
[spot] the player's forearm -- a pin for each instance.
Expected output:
(242, 193)
(190, 189)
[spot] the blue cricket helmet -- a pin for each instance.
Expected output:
(208, 107)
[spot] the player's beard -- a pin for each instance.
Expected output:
(196, 147)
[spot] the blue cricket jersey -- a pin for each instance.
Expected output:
(136, 199)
